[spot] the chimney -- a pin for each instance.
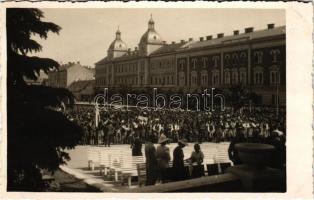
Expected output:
(201, 39)
(190, 39)
(173, 42)
(270, 26)
(129, 50)
(236, 32)
(209, 37)
(249, 30)
(164, 42)
(220, 35)
(135, 48)
(182, 41)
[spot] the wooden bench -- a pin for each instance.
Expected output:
(212, 169)
(141, 171)
(93, 157)
(129, 167)
(111, 161)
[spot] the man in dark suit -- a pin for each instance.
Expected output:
(178, 161)
(151, 161)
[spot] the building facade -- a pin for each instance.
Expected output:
(255, 59)
(69, 73)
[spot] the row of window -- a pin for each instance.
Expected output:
(162, 65)
(229, 78)
(101, 82)
(164, 80)
(259, 56)
(230, 59)
(129, 80)
(122, 68)
(274, 77)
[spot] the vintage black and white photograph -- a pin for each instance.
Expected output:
(146, 100)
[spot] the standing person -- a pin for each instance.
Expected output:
(163, 157)
(178, 161)
(232, 152)
(136, 146)
(151, 161)
(90, 133)
(197, 158)
(110, 130)
(100, 134)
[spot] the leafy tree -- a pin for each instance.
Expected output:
(37, 133)
(239, 96)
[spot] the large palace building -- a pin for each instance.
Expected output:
(254, 58)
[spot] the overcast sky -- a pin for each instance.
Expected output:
(87, 33)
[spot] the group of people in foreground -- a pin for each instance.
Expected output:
(157, 159)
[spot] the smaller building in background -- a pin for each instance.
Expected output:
(83, 90)
(69, 73)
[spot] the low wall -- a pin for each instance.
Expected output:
(218, 183)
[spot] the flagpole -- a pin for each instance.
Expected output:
(96, 115)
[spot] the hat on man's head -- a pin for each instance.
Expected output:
(183, 141)
(162, 139)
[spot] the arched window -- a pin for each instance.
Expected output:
(274, 77)
(216, 60)
(258, 77)
(204, 79)
(194, 61)
(227, 77)
(204, 61)
(181, 78)
(243, 77)
(215, 78)
(258, 55)
(235, 77)
(227, 60)
(181, 64)
(274, 53)
(193, 78)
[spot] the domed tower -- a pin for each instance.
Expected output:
(117, 48)
(151, 40)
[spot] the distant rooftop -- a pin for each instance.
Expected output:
(236, 38)
(168, 48)
(207, 41)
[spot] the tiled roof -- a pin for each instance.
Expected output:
(236, 38)
(127, 56)
(168, 48)
(101, 61)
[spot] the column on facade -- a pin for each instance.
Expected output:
(113, 74)
(146, 72)
(221, 68)
(249, 64)
(175, 78)
(138, 72)
(188, 72)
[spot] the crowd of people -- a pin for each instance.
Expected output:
(122, 127)
(137, 127)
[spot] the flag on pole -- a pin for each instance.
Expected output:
(96, 115)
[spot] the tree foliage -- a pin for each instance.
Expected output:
(239, 96)
(37, 133)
